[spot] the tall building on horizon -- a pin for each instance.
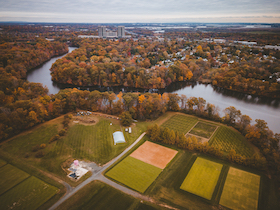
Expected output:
(102, 31)
(121, 31)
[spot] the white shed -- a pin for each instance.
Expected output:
(118, 137)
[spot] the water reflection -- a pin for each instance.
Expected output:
(253, 106)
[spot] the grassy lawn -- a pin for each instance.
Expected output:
(203, 129)
(229, 139)
(180, 123)
(241, 190)
(11, 176)
(202, 178)
(2, 162)
(134, 173)
(29, 194)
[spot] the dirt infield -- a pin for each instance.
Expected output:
(154, 154)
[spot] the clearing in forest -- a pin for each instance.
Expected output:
(241, 190)
(202, 178)
(180, 123)
(134, 173)
(154, 154)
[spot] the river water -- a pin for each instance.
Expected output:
(255, 107)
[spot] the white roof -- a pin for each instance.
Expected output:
(118, 137)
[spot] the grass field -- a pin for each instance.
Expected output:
(2, 163)
(203, 129)
(134, 173)
(99, 196)
(23, 144)
(11, 176)
(180, 123)
(29, 194)
(202, 178)
(241, 190)
(229, 139)
(88, 142)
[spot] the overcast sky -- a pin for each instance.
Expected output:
(129, 11)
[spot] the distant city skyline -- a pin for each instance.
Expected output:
(127, 11)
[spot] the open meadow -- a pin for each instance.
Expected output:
(202, 178)
(241, 190)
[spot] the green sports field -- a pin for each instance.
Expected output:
(203, 129)
(241, 190)
(11, 176)
(228, 139)
(134, 173)
(29, 194)
(180, 123)
(202, 178)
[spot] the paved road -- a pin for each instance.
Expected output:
(97, 175)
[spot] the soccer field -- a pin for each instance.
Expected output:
(241, 190)
(134, 173)
(202, 178)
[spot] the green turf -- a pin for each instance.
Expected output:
(202, 178)
(134, 173)
(241, 190)
(180, 123)
(203, 129)
(29, 194)
(228, 139)
(2, 163)
(11, 176)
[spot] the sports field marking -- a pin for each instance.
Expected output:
(29, 194)
(2, 163)
(241, 190)
(11, 176)
(202, 178)
(154, 154)
(134, 173)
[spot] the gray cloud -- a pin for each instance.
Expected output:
(131, 11)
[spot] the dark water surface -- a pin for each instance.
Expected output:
(255, 107)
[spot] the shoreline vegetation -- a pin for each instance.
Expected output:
(150, 64)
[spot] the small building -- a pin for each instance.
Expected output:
(129, 130)
(118, 137)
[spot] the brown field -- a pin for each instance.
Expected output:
(154, 154)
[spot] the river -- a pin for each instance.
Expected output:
(255, 107)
